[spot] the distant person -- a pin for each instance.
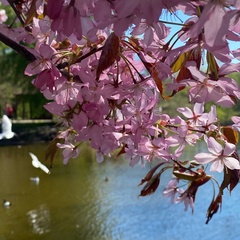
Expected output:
(9, 110)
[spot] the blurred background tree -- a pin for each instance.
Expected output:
(181, 100)
(16, 88)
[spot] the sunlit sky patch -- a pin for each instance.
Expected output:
(176, 21)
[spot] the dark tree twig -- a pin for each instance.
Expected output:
(17, 47)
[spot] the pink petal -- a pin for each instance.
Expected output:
(139, 29)
(126, 8)
(217, 166)
(46, 51)
(161, 30)
(214, 147)
(212, 116)
(216, 36)
(229, 149)
(236, 119)
(222, 54)
(68, 22)
(230, 67)
(54, 8)
(102, 11)
(148, 36)
(187, 112)
(194, 71)
(198, 108)
(221, 100)
(204, 157)
(231, 163)
(99, 157)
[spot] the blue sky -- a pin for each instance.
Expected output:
(181, 18)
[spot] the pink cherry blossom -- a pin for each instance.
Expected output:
(182, 137)
(54, 8)
(236, 124)
(193, 116)
(220, 156)
(204, 89)
(43, 62)
(153, 149)
(172, 190)
(70, 151)
(42, 32)
(99, 157)
(187, 199)
(148, 31)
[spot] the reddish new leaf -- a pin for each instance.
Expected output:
(135, 44)
(212, 66)
(158, 81)
(151, 68)
(184, 74)
(230, 134)
(151, 185)
(197, 178)
(31, 13)
(231, 177)
(179, 65)
(150, 174)
(109, 54)
(52, 149)
(214, 206)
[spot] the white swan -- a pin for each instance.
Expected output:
(6, 128)
(37, 164)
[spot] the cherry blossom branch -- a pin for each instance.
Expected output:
(17, 47)
(91, 52)
(18, 15)
(173, 23)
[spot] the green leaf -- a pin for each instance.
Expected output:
(180, 62)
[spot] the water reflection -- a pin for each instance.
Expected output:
(89, 201)
(35, 180)
(39, 219)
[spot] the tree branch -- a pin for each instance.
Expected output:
(16, 12)
(17, 47)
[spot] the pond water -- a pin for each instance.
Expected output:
(85, 200)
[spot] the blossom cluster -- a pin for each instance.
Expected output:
(105, 66)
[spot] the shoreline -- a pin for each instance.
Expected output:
(16, 121)
(32, 131)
